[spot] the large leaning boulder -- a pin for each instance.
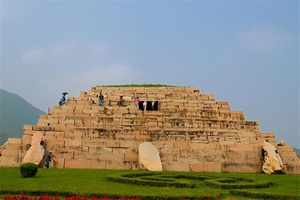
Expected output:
(36, 151)
(272, 162)
(149, 157)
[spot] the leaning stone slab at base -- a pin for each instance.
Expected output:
(36, 151)
(149, 157)
(272, 162)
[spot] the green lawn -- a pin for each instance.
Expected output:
(149, 185)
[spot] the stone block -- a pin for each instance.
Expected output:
(241, 147)
(168, 157)
(72, 142)
(65, 154)
(59, 135)
(117, 165)
(169, 151)
(42, 128)
(181, 145)
(21, 154)
(252, 156)
(14, 140)
(128, 144)
(12, 146)
(241, 168)
(27, 127)
(163, 144)
(130, 156)
(111, 156)
(291, 169)
(290, 160)
(48, 122)
(10, 153)
(28, 132)
(108, 149)
(125, 137)
(85, 164)
(90, 143)
(142, 138)
(226, 143)
(119, 150)
(52, 142)
(9, 161)
(175, 166)
(206, 167)
(285, 148)
(206, 146)
(111, 143)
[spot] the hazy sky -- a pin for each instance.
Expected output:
(243, 52)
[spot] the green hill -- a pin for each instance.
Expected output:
(15, 112)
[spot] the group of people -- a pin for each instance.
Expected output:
(146, 104)
(137, 103)
(101, 101)
(100, 97)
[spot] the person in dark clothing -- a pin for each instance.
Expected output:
(48, 159)
(120, 103)
(101, 99)
(63, 99)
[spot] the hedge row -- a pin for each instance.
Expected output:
(156, 183)
(157, 179)
(151, 179)
(263, 195)
(236, 183)
(201, 178)
(160, 180)
(141, 174)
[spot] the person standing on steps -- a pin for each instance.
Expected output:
(145, 105)
(137, 102)
(90, 101)
(48, 159)
(63, 99)
(101, 99)
(120, 103)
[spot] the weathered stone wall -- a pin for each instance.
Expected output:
(191, 130)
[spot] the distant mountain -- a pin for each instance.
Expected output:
(15, 112)
(297, 151)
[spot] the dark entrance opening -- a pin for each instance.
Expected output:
(151, 105)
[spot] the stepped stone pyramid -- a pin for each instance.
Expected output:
(191, 131)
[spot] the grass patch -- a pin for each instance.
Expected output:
(148, 185)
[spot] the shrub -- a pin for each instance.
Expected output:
(28, 170)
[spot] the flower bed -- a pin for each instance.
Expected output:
(42, 197)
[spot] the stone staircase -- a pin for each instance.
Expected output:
(192, 132)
